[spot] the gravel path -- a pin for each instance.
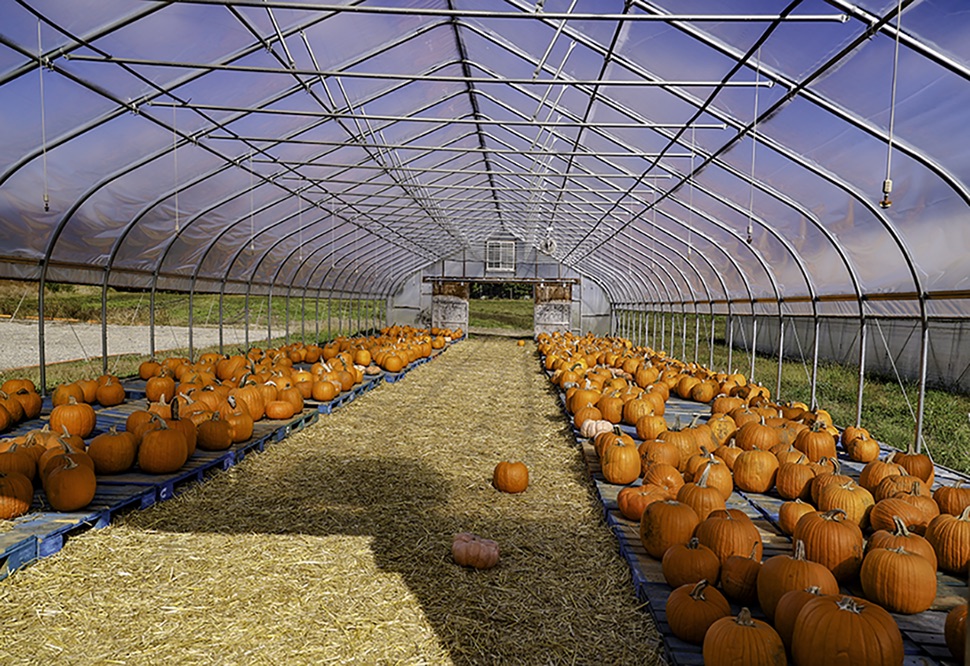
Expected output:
(76, 341)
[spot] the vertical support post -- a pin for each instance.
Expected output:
(710, 347)
(151, 322)
(697, 334)
(663, 329)
(269, 316)
(104, 325)
(754, 347)
(316, 318)
(222, 321)
(246, 317)
(41, 350)
(781, 352)
(286, 312)
(730, 340)
(815, 343)
(863, 331)
(191, 324)
(683, 336)
(921, 397)
(303, 316)
(329, 308)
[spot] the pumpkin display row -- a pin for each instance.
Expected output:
(755, 445)
(209, 405)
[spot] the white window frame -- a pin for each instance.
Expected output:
(500, 256)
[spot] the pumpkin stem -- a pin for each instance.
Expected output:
(744, 618)
(833, 514)
(697, 594)
(702, 482)
(799, 550)
(965, 514)
(900, 530)
(754, 551)
(850, 604)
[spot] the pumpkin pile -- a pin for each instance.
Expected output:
(19, 401)
(883, 531)
(209, 405)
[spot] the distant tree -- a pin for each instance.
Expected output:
(510, 290)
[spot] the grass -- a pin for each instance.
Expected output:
(83, 303)
(501, 313)
(885, 404)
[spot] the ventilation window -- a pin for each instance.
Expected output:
(500, 256)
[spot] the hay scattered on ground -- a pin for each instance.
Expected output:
(334, 546)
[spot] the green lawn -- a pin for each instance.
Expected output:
(501, 313)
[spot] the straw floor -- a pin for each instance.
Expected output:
(333, 546)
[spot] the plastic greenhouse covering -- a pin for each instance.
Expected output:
(802, 158)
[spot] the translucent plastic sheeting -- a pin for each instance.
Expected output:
(192, 142)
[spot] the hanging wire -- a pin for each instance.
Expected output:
(754, 143)
(892, 363)
(299, 203)
(887, 184)
(252, 206)
(43, 119)
(175, 157)
(333, 227)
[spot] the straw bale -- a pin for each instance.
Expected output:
(333, 546)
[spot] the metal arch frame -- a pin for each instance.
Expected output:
(387, 186)
(289, 284)
(332, 289)
(784, 200)
(100, 32)
(633, 67)
(430, 11)
(738, 64)
(122, 108)
(674, 253)
(473, 100)
(373, 157)
(607, 270)
(218, 170)
(382, 257)
(926, 50)
(747, 285)
(286, 93)
(619, 108)
(717, 275)
(90, 192)
(299, 268)
(590, 102)
(886, 222)
(320, 288)
(241, 249)
(256, 265)
(922, 304)
(306, 285)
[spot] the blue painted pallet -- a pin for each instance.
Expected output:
(43, 532)
(17, 550)
(166, 486)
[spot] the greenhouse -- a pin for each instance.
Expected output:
(736, 239)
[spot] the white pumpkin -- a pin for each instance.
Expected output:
(591, 428)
